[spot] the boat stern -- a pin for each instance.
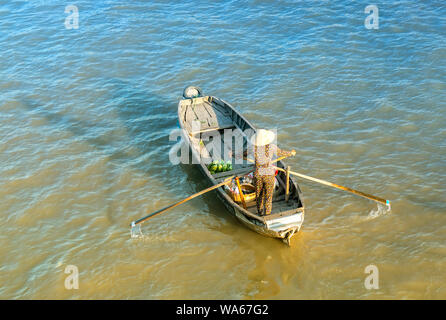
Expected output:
(286, 226)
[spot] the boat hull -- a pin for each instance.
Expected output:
(282, 227)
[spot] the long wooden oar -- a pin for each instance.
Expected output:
(134, 223)
(334, 185)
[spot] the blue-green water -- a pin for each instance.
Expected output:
(85, 116)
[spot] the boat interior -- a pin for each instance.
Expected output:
(214, 130)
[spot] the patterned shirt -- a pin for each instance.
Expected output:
(263, 156)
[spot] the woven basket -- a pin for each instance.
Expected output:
(249, 192)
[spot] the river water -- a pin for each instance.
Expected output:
(85, 116)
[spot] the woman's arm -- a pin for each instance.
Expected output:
(284, 153)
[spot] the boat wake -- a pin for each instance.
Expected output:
(135, 232)
(380, 211)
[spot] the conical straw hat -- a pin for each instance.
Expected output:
(262, 137)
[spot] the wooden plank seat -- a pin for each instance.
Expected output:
(238, 172)
(209, 130)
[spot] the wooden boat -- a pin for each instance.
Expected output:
(218, 122)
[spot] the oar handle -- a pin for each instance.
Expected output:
(141, 220)
(275, 160)
(280, 158)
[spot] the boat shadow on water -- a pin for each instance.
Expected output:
(134, 129)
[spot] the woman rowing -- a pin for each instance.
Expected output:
(264, 172)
